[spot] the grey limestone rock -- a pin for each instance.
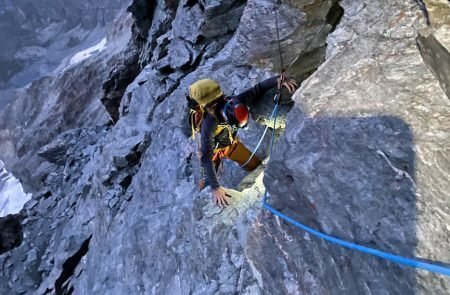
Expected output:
(361, 154)
(437, 57)
(369, 111)
(37, 36)
(11, 232)
(434, 42)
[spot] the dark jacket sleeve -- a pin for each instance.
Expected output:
(251, 95)
(207, 129)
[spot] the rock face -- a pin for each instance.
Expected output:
(112, 169)
(359, 159)
(437, 58)
(434, 43)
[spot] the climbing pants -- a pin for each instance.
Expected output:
(238, 153)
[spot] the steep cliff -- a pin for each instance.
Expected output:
(362, 154)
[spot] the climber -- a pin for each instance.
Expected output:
(220, 116)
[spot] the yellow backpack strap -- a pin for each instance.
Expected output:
(192, 115)
(230, 133)
(219, 129)
(195, 126)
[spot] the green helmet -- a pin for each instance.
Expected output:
(205, 91)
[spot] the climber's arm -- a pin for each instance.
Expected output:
(207, 129)
(254, 93)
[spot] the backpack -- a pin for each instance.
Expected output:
(196, 115)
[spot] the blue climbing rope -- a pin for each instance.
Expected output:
(384, 255)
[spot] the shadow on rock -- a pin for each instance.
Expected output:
(11, 235)
(352, 178)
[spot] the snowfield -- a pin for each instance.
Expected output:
(12, 196)
(82, 55)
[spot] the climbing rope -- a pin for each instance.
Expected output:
(307, 46)
(282, 76)
(260, 140)
(277, 97)
(279, 43)
(271, 144)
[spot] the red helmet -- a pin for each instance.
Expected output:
(235, 113)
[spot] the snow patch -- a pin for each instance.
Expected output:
(12, 195)
(82, 55)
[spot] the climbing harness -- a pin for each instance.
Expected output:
(381, 254)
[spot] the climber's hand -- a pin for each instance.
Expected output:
(289, 83)
(219, 197)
